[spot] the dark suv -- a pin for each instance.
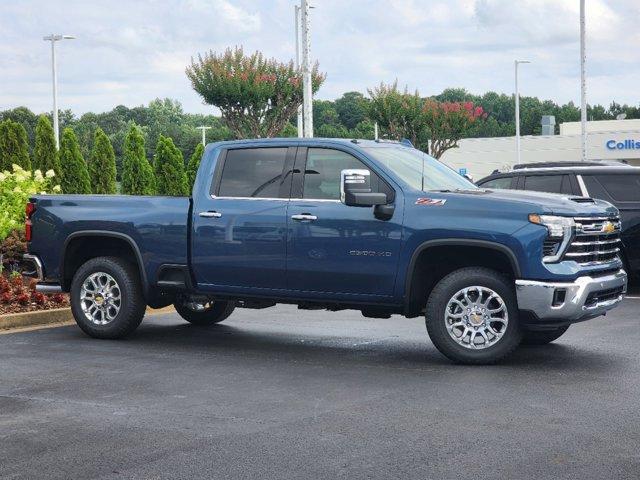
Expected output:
(616, 183)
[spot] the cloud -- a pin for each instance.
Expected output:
(133, 51)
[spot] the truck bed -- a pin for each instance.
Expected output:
(158, 226)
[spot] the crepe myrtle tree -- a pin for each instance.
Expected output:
(256, 96)
(430, 125)
(448, 122)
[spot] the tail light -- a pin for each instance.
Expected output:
(30, 208)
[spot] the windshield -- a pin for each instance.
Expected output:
(409, 164)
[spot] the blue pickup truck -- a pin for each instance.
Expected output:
(374, 226)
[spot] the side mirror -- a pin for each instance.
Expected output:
(355, 189)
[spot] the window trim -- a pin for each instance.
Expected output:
(287, 167)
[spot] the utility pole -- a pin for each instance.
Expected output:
(517, 95)
(307, 91)
(583, 84)
(300, 124)
(53, 39)
(203, 128)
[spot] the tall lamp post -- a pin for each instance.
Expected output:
(307, 92)
(203, 128)
(583, 85)
(53, 39)
(297, 22)
(517, 95)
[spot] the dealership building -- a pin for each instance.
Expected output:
(606, 140)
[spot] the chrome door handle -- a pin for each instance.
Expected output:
(210, 214)
(304, 216)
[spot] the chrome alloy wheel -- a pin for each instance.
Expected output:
(476, 317)
(100, 298)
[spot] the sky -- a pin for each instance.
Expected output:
(130, 52)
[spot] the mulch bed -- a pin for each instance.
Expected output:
(17, 294)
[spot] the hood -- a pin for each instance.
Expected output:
(533, 202)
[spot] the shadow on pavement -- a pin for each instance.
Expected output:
(303, 346)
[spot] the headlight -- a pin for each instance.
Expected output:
(557, 226)
(560, 232)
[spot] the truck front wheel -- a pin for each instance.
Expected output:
(106, 298)
(203, 313)
(472, 316)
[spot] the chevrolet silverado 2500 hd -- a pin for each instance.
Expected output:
(335, 224)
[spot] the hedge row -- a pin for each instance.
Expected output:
(166, 175)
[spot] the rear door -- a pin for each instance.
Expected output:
(239, 241)
(333, 247)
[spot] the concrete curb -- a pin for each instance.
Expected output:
(42, 317)
(56, 316)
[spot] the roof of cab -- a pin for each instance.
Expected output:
(314, 141)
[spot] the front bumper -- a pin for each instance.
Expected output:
(569, 302)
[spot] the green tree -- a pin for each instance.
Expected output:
(194, 163)
(74, 177)
(45, 155)
(351, 108)
(399, 114)
(257, 97)
(14, 146)
(430, 125)
(137, 173)
(102, 165)
(171, 178)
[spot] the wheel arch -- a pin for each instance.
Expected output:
(451, 254)
(105, 243)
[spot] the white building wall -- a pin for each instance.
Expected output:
(481, 156)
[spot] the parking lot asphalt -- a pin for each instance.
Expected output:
(283, 393)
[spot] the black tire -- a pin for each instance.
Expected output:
(215, 312)
(132, 303)
(435, 316)
(542, 337)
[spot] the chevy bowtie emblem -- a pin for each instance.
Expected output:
(608, 227)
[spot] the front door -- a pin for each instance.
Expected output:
(239, 230)
(332, 247)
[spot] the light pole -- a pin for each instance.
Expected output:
(53, 39)
(583, 85)
(203, 128)
(307, 92)
(517, 95)
(300, 125)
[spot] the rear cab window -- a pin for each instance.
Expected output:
(254, 173)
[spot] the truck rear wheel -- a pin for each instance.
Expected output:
(542, 337)
(106, 298)
(203, 313)
(472, 316)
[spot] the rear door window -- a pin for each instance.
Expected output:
(620, 187)
(253, 172)
(548, 183)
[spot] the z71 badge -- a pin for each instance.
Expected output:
(432, 202)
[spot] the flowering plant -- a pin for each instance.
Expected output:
(15, 189)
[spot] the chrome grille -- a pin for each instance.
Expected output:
(596, 241)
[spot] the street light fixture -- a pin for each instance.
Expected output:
(204, 140)
(517, 95)
(53, 39)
